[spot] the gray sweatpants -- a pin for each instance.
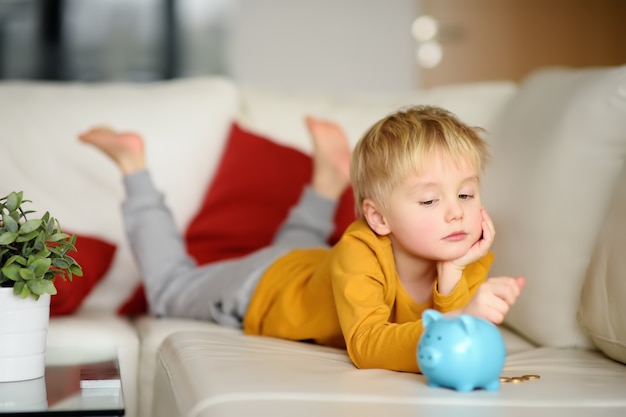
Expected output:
(177, 287)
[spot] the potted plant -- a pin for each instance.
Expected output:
(34, 251)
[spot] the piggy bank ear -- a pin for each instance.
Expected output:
(429, 316)
(468, 323)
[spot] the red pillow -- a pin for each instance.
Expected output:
(136, 304)
(255, 185)
(95, 257)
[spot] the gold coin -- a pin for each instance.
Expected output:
(517, 379)
(529, 377)
(505, 379)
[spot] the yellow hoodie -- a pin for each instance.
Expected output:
(350, 296)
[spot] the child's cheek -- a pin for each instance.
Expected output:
(477, 221)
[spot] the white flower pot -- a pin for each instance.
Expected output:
(28, 396)
(23, 334)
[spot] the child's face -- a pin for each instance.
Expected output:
(436, 215)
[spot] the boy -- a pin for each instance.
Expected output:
(421, 241)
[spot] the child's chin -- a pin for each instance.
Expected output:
(453, 255)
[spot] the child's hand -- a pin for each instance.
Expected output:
(493, 299)
(449, 273)
(482, 245)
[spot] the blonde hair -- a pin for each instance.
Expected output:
(400, 144)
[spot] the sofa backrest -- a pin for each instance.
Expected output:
(279, 115)
(185, 124)
(559, 147)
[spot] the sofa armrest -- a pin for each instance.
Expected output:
(602, 311)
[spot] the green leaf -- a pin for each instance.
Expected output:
(14, 200)
(30, 226)
(7, 238)
(44, 253)
(61, 263)
(39, 287)
(26, 292)
(10, 223)
(48, 287)
(40, 266)
(26, 237)
(18, 288)
(67, 245)
(40, 242)
(49, 222)
(26, 274)
(49, 275)
(58, 236)
(12, 272)
(76, 270)
(15, 258)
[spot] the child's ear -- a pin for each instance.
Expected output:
(375, 218)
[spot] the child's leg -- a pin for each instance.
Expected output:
(331, 158)
(310, 222)
(175, 285)
(228, 286)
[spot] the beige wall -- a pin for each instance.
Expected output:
(506, 39)
(325, 46)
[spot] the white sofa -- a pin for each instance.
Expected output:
(556, 189)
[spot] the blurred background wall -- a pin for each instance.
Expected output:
(328, 45)
(487, 39)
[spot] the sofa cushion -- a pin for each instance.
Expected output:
(602, 310)
(184, 123)
(557, 154)
(94, 256)
(153, 331)
(256, 183)
(207, 373)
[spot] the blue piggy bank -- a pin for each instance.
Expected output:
(463, 352)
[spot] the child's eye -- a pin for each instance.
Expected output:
(427, 203)
(465, 196)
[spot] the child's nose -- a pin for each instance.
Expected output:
(455, 211)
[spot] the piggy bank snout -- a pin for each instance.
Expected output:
(429, 356)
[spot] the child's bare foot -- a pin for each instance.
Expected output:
(124, 148)
(331, 157)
